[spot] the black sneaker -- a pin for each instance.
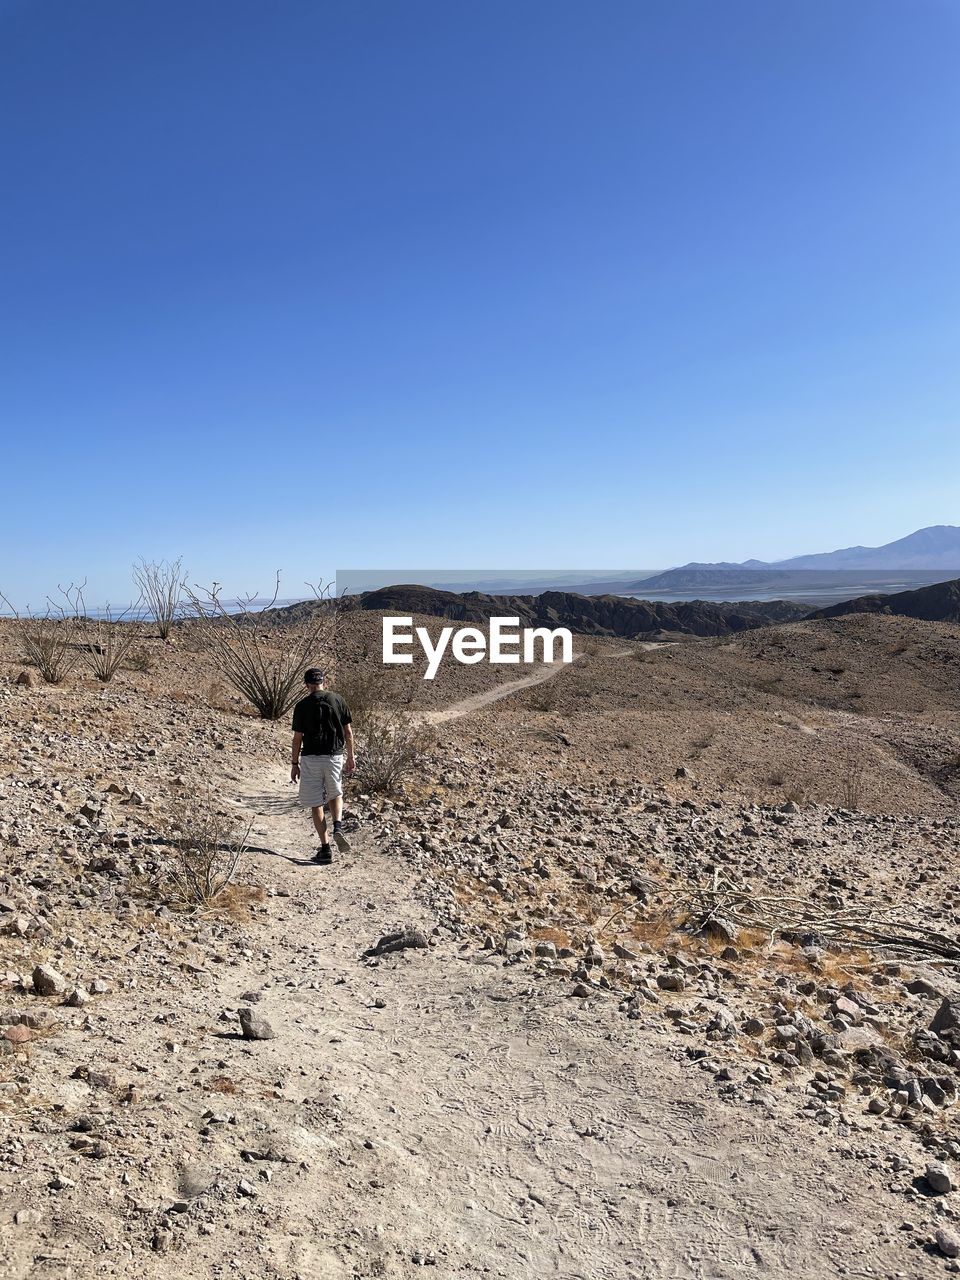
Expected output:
(323, 855)
(340, 839)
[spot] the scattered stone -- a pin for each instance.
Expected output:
(398, 942)
(947, 1243)
(939, 1178)
(48, 982)
(947, 1017)
(254, 1027)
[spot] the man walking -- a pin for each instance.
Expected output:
(321, 729)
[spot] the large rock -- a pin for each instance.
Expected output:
(48, 982)
(254, 1027)
(947, 1017)
(938, 1177)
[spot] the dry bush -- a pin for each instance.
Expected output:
(851, 779)
(107, 640)
(139, 660)
(206, 846)
(390, 742)
(161, 585)
(49, 639)
(704, 739)
(543, 696)
(263, 664)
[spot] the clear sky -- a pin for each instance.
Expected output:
(303, 284)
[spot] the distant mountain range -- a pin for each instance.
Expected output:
(936, 547)
(926, 556)
(601, 615)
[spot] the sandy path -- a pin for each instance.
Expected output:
(547, 671)
(512, 1131)
(435, 1108)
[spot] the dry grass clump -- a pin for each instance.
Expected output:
(206, 846)
(390, 741)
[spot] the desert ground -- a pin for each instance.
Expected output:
(670, 986)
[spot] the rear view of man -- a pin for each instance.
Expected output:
(321, 729)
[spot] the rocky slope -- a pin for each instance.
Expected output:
(607, 615)
(937, 603)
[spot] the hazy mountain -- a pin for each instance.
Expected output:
(936, 547)
(925, 554)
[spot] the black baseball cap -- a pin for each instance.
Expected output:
(313, 675)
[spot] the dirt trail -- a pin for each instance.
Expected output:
(436, 1108)
(450, 1110)
(467, 706)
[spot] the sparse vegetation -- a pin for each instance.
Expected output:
(851, 781)
(107, 640)
(263, 666)
(207, 844)
(390, 741)
(50, 640)
(161, 585)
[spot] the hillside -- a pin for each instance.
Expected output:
(606, 615)
(937, 603)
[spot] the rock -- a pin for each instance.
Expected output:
(581, 990)
(77, 998)
(398, 942)
(254, 1027)
(721, 929)
(27, 679)
(48, 982)
(162, 1240)
(546, 950)
(923, 987)
(624, 953)
(938, 1177)
(947, 1017)
(947, 1243)
(849, 1010)
(754, 1027)
(17, 1034)
(671, 981)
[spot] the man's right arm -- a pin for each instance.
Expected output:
(295, 757)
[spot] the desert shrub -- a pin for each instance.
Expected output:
(139, 660)
(162, 585)
(704, 739)
(49, 639)
(105, 641)
(206, 845)
(264, 663)
(851, 778)
(390, 741)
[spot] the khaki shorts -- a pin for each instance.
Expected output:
(320, 780)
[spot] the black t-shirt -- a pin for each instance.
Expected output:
(320, 717)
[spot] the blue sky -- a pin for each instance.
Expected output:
(303, 285)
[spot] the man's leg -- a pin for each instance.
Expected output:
(334, 787)
(320, 822)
